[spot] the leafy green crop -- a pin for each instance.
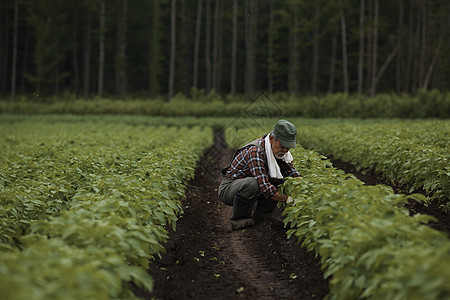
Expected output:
(408, 153)
(92, 198)
(368, 244)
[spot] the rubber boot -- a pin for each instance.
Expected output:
(263, 212)
(241, 217)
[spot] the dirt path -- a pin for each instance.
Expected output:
(206, 260)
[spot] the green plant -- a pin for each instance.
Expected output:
(93, 197)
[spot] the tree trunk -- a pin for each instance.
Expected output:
(234, 49)
(216, 45)
(332, 64)
(208, 46)
(172, 48)
(386, 64)
(433, 60)
(220, 54)
(270, 62)
(4, 47)
(361, 47)
(121, 47)
(374, 48)
(410, 49)
(14, 62)
(75, 61)
(250, 32)
(87, 56)
(416, 47)
(101, 55)
(182, 74)
(368, 80)
(423, 48)
(431, 67)
(315, 67)
(293, 55)
(400, 50)
(155, 52)
(25, 60)
(197, 43)
(344, 47)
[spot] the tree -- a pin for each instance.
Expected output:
(293, 55)
(4, 45)
(172, 49)
(409, 48)
(441, 21)
(14, 62)
(197, 43)
(87, 54)
(250, 45)
(423, 48)
(183, 50)
(271, 33)
(234, 49)
(374, 48)
(399, 67)
(332, 64)
(315, 52)
(155, 56)
(25, 59)
(48, 20)
(121, 47)
(295, 46)
(101, 52)
(217, 47)
(344, 47)
(293, 50)
(208, 46)
(361, 46)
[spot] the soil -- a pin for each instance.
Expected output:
(205, 259)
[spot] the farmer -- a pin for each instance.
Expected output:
(254, 173)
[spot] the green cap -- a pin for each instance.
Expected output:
(285, 132)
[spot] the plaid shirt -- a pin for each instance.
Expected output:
(250, 162)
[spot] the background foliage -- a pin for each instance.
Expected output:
(122, 48)
(424, 105)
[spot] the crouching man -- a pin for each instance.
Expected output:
(254, 173)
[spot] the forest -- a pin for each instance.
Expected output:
(127, 49)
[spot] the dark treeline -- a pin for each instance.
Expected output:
(142, 48)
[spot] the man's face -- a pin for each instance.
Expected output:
(278, 150)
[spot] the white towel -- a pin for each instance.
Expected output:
(274, 169)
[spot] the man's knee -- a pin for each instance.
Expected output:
(249, 188)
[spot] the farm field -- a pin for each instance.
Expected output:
(64, 176)
(86, 205)
(359, 231)
(408, 153)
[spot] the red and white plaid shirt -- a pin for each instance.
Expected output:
(251, 162)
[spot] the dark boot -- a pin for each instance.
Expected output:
(241, 217)
(263, 211)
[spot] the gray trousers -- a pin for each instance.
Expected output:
(247, 187)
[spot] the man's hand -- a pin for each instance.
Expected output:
(282, 198)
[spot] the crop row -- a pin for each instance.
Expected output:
(413, 154)
(85, 207)
(368, 244)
